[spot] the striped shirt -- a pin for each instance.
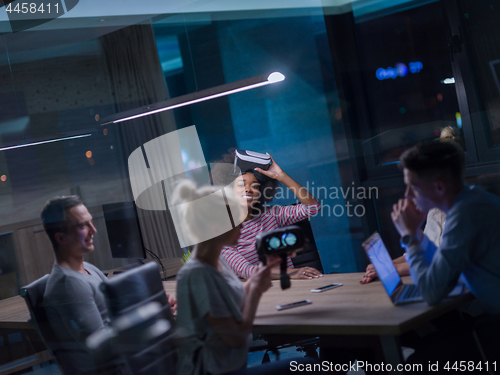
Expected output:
(243, 258)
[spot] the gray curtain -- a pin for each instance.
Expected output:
(137, 80)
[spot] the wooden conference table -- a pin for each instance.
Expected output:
(353, 315)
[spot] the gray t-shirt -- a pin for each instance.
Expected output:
(203, 290)
(75, 307)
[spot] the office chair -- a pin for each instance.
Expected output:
(141, 322)
(309, 257)
(33, 295)
(134, 288)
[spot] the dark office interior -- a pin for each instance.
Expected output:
(365, 80)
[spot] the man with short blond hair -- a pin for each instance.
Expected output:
(470, 248)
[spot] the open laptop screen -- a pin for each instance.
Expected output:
(379, 256)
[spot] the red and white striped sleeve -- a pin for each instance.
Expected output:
(240, 266)
(288, 215)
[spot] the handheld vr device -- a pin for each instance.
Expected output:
(282, 242)
(247, 161)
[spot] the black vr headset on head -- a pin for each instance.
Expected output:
(282, 242)
(247, 161)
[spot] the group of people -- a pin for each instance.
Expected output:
(217, 310)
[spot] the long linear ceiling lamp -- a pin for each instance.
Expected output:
(46, 141)
(195, 97)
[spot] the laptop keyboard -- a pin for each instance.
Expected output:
(410, 292)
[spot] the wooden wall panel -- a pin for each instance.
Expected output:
(35, 255)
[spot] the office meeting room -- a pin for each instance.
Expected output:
(227, 187)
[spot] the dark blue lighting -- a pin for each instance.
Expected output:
(400, 70)
(415, 67)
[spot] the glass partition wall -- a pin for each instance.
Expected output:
(363, 82)
(425, 65)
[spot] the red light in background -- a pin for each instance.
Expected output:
(338, 113)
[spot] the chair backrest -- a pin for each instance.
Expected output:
(145, 341)
(135, 288)
(309, 257)
(33, 295)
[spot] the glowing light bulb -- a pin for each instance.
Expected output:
(275, 77)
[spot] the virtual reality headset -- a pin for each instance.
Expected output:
(281, 241)
(247, 161)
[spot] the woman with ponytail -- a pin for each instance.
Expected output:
(215, 309)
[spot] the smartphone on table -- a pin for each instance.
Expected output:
(294, 304)
(326, 287)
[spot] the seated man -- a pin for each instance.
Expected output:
(434, 225)
(434, 178)
(74, 304)
(73, 301)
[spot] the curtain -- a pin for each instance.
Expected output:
(137, 80)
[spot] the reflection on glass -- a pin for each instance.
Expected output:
(405, 62)
(480, 20)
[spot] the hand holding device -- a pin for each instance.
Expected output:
(274, 171)
(281, 242)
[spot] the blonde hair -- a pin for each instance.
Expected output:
(203, 213)
(449, 133)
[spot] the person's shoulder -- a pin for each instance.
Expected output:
(194, 269)
(474, 203)
(475, 197)
(63, 283)
(196, 275)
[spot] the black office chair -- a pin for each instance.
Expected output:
(141, 321)
(309, 257)
(33, 295)
(134, 288)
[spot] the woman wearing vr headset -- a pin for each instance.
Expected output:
(256, 187)
(215, 311)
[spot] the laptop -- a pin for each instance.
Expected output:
(398, 292)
